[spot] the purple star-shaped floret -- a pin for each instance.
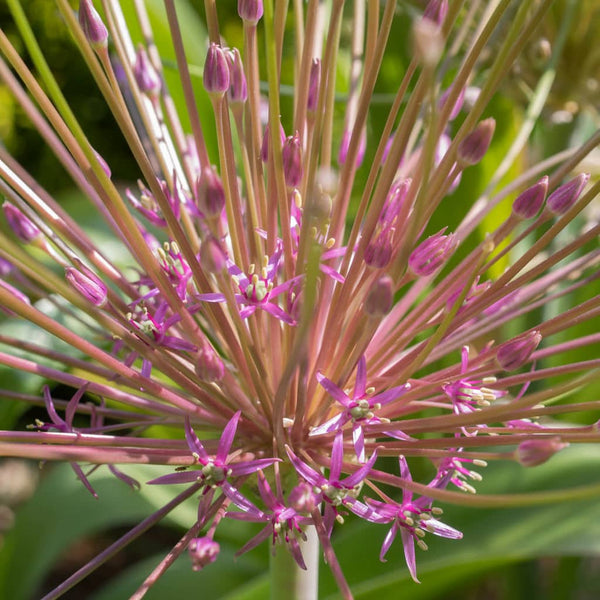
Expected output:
(412, 518)
(257, 290)
(215, 471)
(282, 522)
(334, 491)
(467, 395)
(359, 408)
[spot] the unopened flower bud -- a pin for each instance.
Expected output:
(345, 144)
(216, 71)
(103, 164)
(428, 42)
(302, 498)
(238, 88)
(458, 104)
(291, 154)
(203, 551)
(145, 74)
(532, 453)
(21, 225)
(432, 253)
(18, 294)
(518, 351)
(528, 204)
(250, 10)
(436, 11)
(563, 197)
(210, 194)
(474, 146)
(378, 252)
(314, 81)
(94, 29)
(88, 285)
(380, 297)
(212, 257)
(209, 366)
(264, 150)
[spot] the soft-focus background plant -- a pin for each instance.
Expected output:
(548, 552)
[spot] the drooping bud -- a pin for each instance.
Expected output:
(436, 11)
(528, 204)
(428, 42)
(212, 257)
(518, 351)
(145, 74)
(532, 453)
(21, 225)
(94, 29)
(563, 197)
(291, 154)
(314, 81)
(380, 297)
(474, 146)
(302, 498)
(216, 71)
(238, 88)
(432, 253)
(209, 366)
(250, 10)
(203, 551)
(210, 194)
(88, 285)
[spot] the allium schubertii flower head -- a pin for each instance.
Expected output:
(291, 309)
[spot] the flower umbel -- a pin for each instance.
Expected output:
(289, 311)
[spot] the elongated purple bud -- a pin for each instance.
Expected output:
(210, 194)
(380, 297)
(209, 366)
(518, 351)
(147, 78)
(436, 11)
(532, 453)
(528, 204)
(473, 148)
(21, 225)
(291, 154)
(250, 10)
(88, 285)
(378, 252)
(94, 29)
(216, 71)
(203, 551)
(432, 253)
(238, 88)
(563, 197)
(314, 81)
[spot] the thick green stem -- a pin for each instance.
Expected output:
(288, 580)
